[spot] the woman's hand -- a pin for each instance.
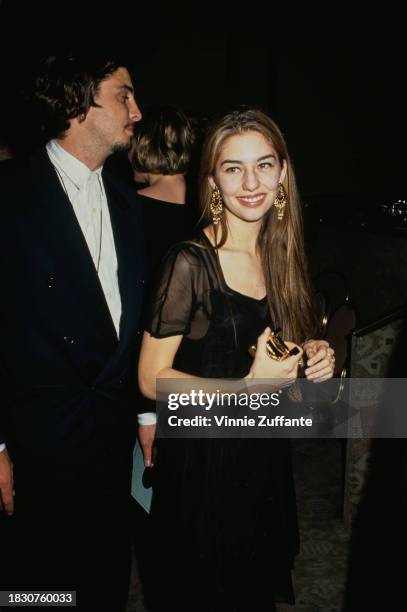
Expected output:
(320, 360)
(284, 372)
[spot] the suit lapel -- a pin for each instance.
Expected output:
(127, 237)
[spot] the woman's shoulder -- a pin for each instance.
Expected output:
(195, 248)
(190, 256)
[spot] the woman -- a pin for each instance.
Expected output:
(160, 156)
(224, 509)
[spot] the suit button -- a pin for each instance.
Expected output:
(142, 281)
(69, 340)
(51, 282)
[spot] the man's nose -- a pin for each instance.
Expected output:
(134, 111)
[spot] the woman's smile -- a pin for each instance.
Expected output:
(252, 201)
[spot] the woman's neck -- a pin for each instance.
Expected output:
(169, 188)
(242, 235)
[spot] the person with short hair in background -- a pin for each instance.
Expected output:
(160, 157)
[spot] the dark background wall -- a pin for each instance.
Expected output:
(334, 83)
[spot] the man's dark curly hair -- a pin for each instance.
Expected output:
(66, 87)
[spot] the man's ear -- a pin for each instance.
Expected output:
(81, 117)
(78, 119)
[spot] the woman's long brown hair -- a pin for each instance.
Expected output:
(280, 242)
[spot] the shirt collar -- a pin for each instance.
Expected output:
(77, 171)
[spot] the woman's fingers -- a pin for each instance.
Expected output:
(324, 357)
(320, 354)
(262, 340)
(323, 370)
(261, 345)
(325, 374)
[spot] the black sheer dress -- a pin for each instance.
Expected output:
(223, 510)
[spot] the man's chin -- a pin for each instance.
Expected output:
(119, 147)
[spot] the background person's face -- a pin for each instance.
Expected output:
(247, 174)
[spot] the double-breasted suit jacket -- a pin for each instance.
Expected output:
(68, 384)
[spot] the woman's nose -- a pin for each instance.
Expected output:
(250, 180)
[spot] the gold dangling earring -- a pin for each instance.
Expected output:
(280, 201)
(216, 206)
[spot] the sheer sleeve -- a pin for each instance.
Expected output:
(178, 303)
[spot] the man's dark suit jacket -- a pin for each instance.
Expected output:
(68, 385)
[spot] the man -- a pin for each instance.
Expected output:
(72, 290)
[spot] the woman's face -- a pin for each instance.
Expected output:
(248, 173)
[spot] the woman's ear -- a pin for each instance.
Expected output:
(211, 182)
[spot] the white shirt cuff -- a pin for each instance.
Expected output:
(147, 418)
(2, 447)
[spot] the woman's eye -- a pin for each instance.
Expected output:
(233, 169)
(265, 165)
